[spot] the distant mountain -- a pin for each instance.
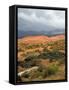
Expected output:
(33, 33)
(27, 33)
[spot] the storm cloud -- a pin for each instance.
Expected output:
(39, 21)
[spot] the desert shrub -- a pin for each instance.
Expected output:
(42, 71)
(43, 55)
(61, 61)
(28, 64)
(45, 49)
(29, 47)
(31, 63)
(47, 71)
(50, 43)
(55, 54)
(31, 60)
(34, 74)
(31, 56)
(52, 69)
(25, 75)
(32, 46)
(59, 45)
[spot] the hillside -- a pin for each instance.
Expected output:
(44, 52)
(40, 39)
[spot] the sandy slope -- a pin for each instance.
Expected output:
(40, 39)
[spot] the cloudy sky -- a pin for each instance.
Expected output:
(41, 21)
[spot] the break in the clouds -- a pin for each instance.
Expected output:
(39, 21)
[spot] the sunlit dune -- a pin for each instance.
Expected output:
(40, 39)
(58, 37)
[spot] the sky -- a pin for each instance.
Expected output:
(39, 21)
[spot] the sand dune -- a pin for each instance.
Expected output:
(40, 39)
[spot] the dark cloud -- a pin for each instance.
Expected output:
(41, 21)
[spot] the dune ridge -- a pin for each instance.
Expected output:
(40, 39)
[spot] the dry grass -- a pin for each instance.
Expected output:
(47, 55)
